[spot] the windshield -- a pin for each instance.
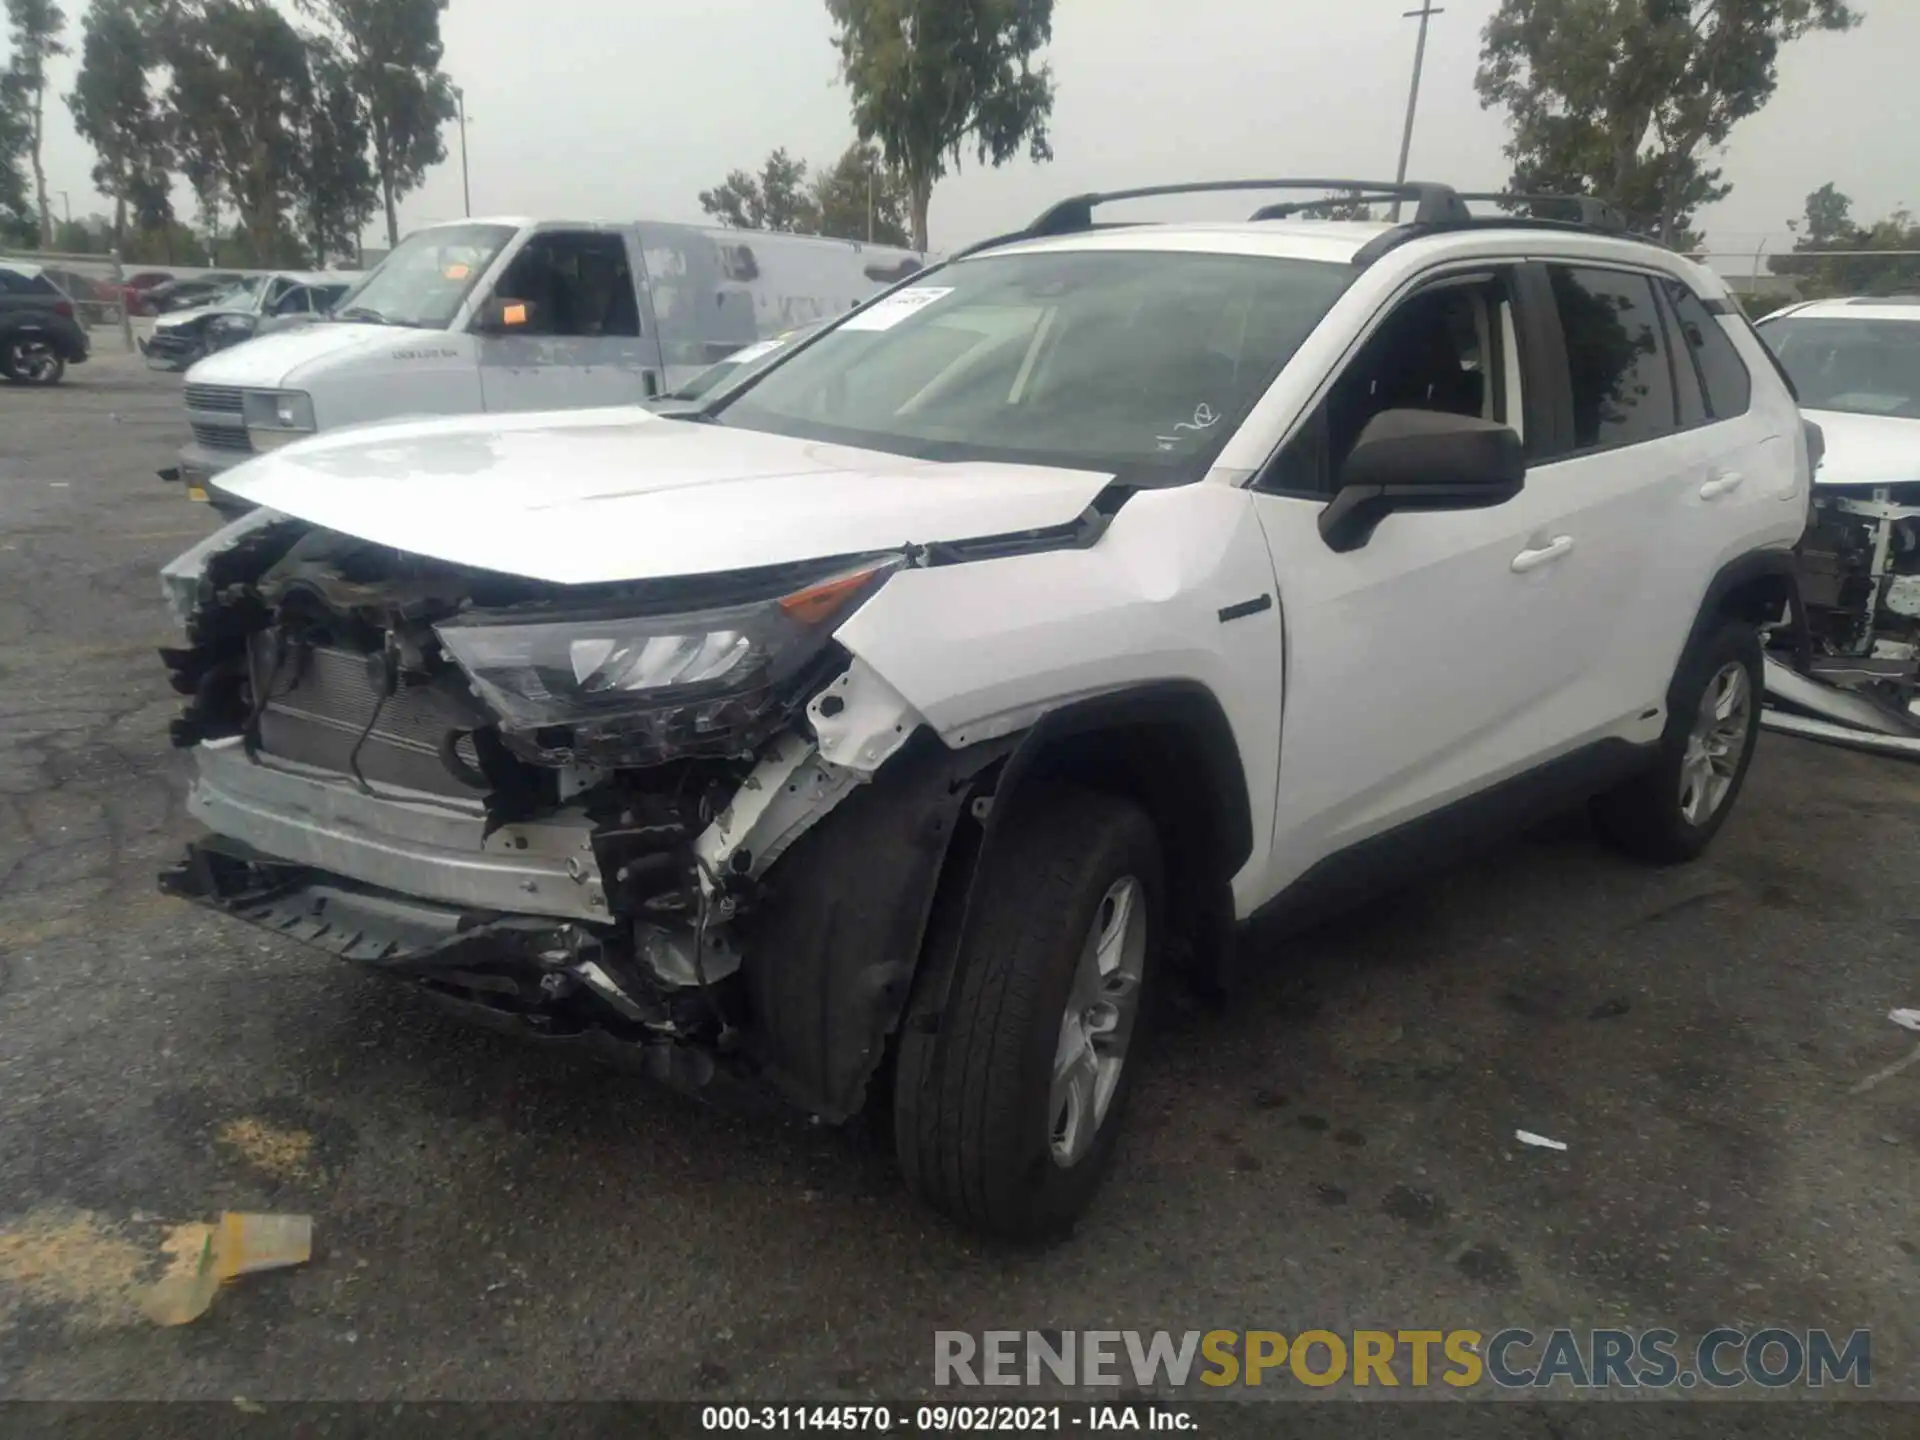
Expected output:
(1863, 367)
(243, 295)
(425, 280)
(1090, 359)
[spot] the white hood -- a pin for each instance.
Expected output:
(1867, 449)
(180, 319)
(587, 496)
(269, 362)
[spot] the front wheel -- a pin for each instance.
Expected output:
(1007, 1105)
(1671, 813)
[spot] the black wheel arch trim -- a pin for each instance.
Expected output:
(1734, 576)
(1180, 704)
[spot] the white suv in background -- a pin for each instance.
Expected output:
(888, 726)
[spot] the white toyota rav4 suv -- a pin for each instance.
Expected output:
(891, 725)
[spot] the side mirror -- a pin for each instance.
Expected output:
(1421, 460)
(504, 316)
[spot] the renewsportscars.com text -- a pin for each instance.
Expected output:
(1511, 1359)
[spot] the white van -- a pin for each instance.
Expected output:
(516, 314)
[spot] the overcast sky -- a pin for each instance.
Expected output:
(617, 109)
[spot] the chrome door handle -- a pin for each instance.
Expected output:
(1721, 485)
(1533, 559)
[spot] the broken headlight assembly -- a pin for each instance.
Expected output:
(641, 688)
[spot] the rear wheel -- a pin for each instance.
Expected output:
(26, 361)
(1007, 1110)
(1672, 812)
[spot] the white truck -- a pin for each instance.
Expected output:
(516, 314)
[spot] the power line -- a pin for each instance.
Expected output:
(1425, 15)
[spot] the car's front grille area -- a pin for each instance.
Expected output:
(227, 398)
(322, 698)
(221, 437)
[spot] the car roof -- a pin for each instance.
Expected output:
(1892, 307)
(22, 267)
(1344, 241)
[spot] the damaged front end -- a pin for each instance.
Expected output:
(593, 813)
(1846, 670)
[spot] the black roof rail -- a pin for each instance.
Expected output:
(1435, 203)
(1438, 209)
(1590, 211)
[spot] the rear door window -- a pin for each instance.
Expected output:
(1622, 379)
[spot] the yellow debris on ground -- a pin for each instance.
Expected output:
(74, 1261)
(284, 1154)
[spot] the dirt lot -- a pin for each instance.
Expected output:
(1335, 1150)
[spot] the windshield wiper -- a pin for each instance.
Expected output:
(361, 312)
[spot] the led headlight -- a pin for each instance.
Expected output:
(675, 678)
(277, 417)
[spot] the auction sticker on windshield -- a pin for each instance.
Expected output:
(886, 313)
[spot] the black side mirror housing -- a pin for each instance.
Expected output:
(504, 316)
(1421, 460)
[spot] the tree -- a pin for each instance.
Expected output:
(931, 78)
(17, 220)
(115, 111)
(239, 96)
(1625, 99)
(1828, 226)
(1348, 207)
(392, 50)
(775, 199)
(336, 191)
(860, 198)
(34, 28)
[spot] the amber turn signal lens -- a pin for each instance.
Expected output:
(815, 603)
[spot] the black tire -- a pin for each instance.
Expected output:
(972, 1128)
(13, 370)
(1645, 817)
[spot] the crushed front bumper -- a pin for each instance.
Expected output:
(535, 978)
(428, 846)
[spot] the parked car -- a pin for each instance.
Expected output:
(39, 333)
(890, 728)
(135, 292)
(183, 337)
(1853, 674)
(503, 315)
(95, 301)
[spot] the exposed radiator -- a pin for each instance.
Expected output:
(322, 699)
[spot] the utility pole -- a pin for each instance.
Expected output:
(1425, 15)
(466, 190)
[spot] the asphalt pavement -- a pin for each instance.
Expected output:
(1334, 1150)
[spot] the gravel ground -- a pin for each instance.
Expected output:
(1333, 1150)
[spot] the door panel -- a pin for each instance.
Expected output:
(587, 343)
(1447, 653)
(1421, 667)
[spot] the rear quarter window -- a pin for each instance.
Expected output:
(1723, 374)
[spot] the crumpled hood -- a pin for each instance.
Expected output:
(181, 319)
(268, 362)
(1867, 449)
(588, 496)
